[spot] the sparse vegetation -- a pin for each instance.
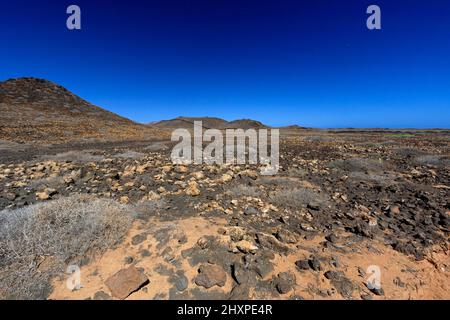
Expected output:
(244, 191)
(38, 242)
(360, 164)
(75, 156)
(129, 154)
(297, 198)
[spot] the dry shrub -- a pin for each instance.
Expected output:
(130, 154)
(432, 160)
(61, 232)
(298, 198)
(408, 152)
(146, 209)
(243, 190)
(360, 165)
(280, 181)
(50, 182)
(156, 146)
(81, 156)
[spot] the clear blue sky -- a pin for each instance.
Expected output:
(313, 63)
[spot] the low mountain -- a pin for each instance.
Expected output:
(37, 110)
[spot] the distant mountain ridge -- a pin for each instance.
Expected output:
(208, 123)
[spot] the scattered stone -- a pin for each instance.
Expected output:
(246, 246)
(168, 254)
(378, 291)
(139, 238)
(250, 211)
(192, 189)
(236, 234)
(101, 295)
(198, 175)
(286, 236)
(398, 282)
(124, 200)
(314, 263)
(46, 194)
(332, 238)
(210, 275)
(302, 264)
(361, 272)
(366, 296)
(179, 280)
(145, 253)
(161, 190)
(203, 242)
(254, 265)
(11, 196)
(314, 206)
(125, 282)
(128, 260)
(181, 169)
(342, 284)
(284, 282)
(226, 178)
(394, 210)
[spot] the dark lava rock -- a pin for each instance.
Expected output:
(101, 295)
(284, 282)
(128, 260)
(332, 238)
(168, 254)
(137, 239)
(210, 275)
(262, 266)
(398, 282)
(314, 205)
(250, 211)
(286, 236)
(163, 270)
(342, 284)
(240, 292)
(283, 286)
(179, 280)
(271, 243)
(366, 296)
(378, 291)
(314, 263)
(361, 272)
(241, 274)
(145, 253)
(302, 264)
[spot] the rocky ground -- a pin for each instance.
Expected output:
(342, 205)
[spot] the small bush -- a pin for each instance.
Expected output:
(291, 181)
(243, 190)
(49, 182)
(74, 156)
(146, 209)
(408, 152)
(129, 155)
(157, 146)
(297, 198)
(359, 164)
(61, 232)
(432, 160)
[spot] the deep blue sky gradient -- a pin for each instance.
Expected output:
(313, 63)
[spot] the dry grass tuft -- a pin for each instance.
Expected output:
(55, 234)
